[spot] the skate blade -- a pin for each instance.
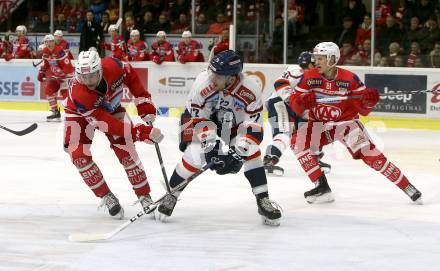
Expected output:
(270, 222)
(418, 201)
(161, 217)
(326, 198)
(120, 215)
(53, 120)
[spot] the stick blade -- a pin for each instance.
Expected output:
(88, 237)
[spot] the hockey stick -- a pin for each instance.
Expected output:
(91, 237)
(164, 172)
(22, 132)
(38, 63)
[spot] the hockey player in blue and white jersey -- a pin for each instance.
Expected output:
(223, 122)
(282, 119)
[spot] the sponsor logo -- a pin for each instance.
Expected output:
(435, 96)
(14, 88)
(327, 112)
(246, 95)
(342, 84)
(176, 81)
(118, 83)
(314, 82)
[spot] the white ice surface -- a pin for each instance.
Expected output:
(372, 225)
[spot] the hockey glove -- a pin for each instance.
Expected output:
(300, 103)
(146, 109)
(370, 97)
(225, 163)
(146, 134)
(41, 76)
(156, 59)
(182, 59)
(8, 57)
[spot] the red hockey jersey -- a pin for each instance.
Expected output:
(190, 52)
(345, 83)
(138, 51)
(56, 63)
(163, 50)
(117, 47)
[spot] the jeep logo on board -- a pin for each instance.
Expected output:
(404, 103)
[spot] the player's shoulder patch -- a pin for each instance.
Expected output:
(246, 95)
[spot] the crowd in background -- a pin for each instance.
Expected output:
(407, 32)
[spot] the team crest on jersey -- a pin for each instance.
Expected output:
(246, 95)
(327, 112)
(314, 82)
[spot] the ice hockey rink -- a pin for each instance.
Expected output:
(372, 225)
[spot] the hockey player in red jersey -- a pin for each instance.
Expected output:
(337, 121)
(20, 47)
(189, 49)
(117, 44)
(94, 102)
(223, 123)
(59, 41)
(161, 50)
(137, 48)
(55, 71)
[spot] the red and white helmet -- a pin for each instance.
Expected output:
(48, 38)
(134, 33)
(58, 33)
(21, 29)
(88, 69)
(161, 34)
(328, 49)
(186, 34)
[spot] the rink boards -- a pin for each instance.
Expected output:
(170, 84)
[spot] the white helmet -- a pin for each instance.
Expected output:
(88, 69)
(21, 28)
(186, 34)
(135, 32)
(48, 38)
(58, 33)
(112, 27)
(328, 49)
(161, 34)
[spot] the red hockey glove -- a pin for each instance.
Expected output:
(156, 59)
(182, 59)
(370, 97)
(307, 100)
(41, 76)
(147, 134)
(146, 109)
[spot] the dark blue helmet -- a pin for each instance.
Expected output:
(305, 58)
(226, 63)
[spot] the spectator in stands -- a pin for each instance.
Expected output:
(388, 33)
(398, 62)
(430, 35)
(383, 10)
(414, 32)
(131, 6)
(91, 34)
(413, 54)
(295, 17)
(383, 62)
(181, 25)
(105, 23)
(44, 25)
(404, 12)
(61, 23)
(179, 7)
(364, 30)
(137, 48)
(211, 8)
(219, 25)
(97, 8)
(164, 23)
(419, 63)
(347, 52)
(156, 7)
(189, 49)
(434, 56)
(355, 10)
(201, 25)
(364, 53)
(394, 51)
(223, 43)
(346, 33)
(161, 50)
(424, 9)
(113, 11)
(148, 25)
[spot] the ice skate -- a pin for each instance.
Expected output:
(54, 117)
(166, 207)
(270, 162)
(146, 203)
(413, 193)
(113, 206)
(321, 193)
(269, 211)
